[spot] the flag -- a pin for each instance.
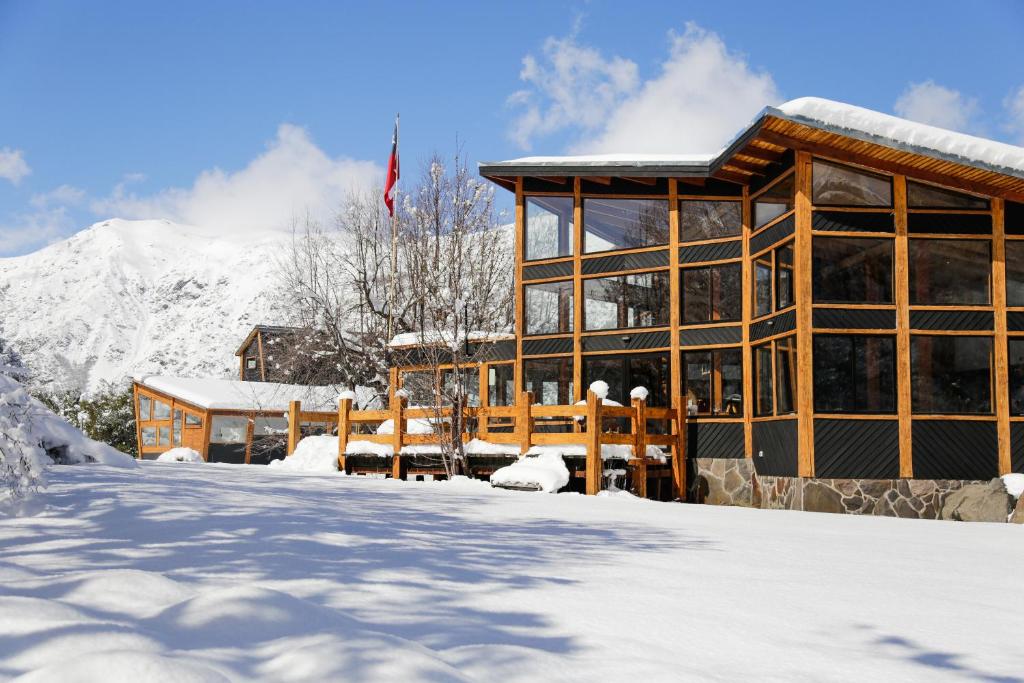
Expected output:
(391, 182)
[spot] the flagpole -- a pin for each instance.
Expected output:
(393, 294)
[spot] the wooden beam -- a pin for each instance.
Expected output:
(519, 246)
(398, 419)
(674, 294)
(902, 296)
(1001, 390)
(595, 466)
(250, 426)
(650, 182)
(732, 177)
(802, 276)
(556, 180)
(294, 425)
(344, 429)
(639, 427)
(745, 166)
(747, 305)
(761, 153)
(679, 454)
(259, 351)
(697, 182)
(600, 180)
(577, 292)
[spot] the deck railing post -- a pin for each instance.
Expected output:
(679, 451)
(524, 421)
(595, 465)
(294, 425)
(344, 429)
(398, 416)
(640, 447)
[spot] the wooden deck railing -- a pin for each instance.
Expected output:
(591, 425)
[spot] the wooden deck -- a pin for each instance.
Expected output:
(524, 425)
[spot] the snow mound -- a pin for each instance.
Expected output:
(481, 447)
(180, 454)
(347, 396)
(417, 425)
(600, 387)
(359, 447)
(639, 393)
(312, 454)
(609, 451)
(544, 471)
(1014, 484)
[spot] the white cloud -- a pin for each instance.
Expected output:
(64, 194)
(1014, 105)
(12, 165)
(937, 105)
(703, 96)
(31, 230)
(292, 177)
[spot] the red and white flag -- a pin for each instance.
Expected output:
(391, 182)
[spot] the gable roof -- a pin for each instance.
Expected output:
(226, 394)
(838, 129)
(269, 329)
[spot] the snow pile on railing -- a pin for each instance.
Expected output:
(180, 454)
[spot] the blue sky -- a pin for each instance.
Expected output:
(235, 114)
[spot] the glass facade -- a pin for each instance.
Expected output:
(705, 220)
(838, 185)
(550, 380)
(548, 307)
(712, 293)
(640, 300)
(854, 374)
(623, 223)
(775, 201)
(714, 382)
(549, 227)
(950, 272)
(951, 374)
(852, 270)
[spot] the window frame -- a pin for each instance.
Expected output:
(783, 177)
(715, 383)
(992, 380)
(586, 251)
(889, 240)
(527, 198)
(569, 304)
(854, 168)
(622, 309)
(937, 238)
(891, 337)
(761, 260)
(710, 267)
(683, 239)
(773, 348)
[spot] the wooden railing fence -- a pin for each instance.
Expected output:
(525, 425)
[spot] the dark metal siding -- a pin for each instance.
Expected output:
(609, 264)
(627, 341)
(783, 322)
(502, 350)
(949, 223)
(856, 449)
(951, 320)
(955, 449)
(1017, 447)
(546, 270)
(714, 440)
(775, 448)
(711, 335)
(538, 347)
(854, 319)
(1014, 218)
(226, 452)
(770, 236)
(716, 251)
(1015, 320)
(857, 222)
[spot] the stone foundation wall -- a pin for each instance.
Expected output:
(727, 481)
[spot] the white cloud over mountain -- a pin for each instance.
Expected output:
(13, 166)
(934, 104)
(702, 96)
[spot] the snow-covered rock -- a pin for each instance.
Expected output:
(180, 454)
(544, 470)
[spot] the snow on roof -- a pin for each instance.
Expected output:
(447, 338)
(922, 138)
(226, 394)
(838, 117)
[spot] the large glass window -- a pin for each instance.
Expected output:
(501, 384)
(419, 385)
(161, 410)
(837, 185)
(624, 373)
(854, 374)
(777, 200)
(784, 277)
(852, 270)
(714, 382)
(470, 382)
(548, 307)
(193, 420)
(785, 375)
(148, 436)
(145, 407)
(548, 227)
(922, 196)
(712, 293)
(950, 272)
(1014, 273)
(639, 300)
(705, 219)
(951, 374)
(624, 223)
(765, 394)
(1016, 376)
(228, 429)
(763, 285)
(550, 380)
(773, 280)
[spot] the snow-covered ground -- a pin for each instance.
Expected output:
(219, 572)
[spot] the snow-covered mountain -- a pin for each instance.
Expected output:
(125, 297)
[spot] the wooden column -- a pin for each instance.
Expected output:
(747, 310)
(398, 417)
(138, 422)
(207, 429)
(294, 425)
(674, 294)
(679, 454)
(577, 290)
(344, 429)
(524, 421)
(250, 425)
(1001, 388)
(639, 425)
(595, 465)
(519, 245)
(485, 400)
(259, 350)
(901, 292)
(802, 277)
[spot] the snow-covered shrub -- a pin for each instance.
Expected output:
(180, 454)
(106, 415)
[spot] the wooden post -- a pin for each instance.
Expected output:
(138, 422)
(577, 290)
(679, 452)
(902, 294)
(294, 426)
(640, 446)
(344, 429)
(595, 465)
(398, 416)
(802, 279)
(519, 246)
(524, 421)
(1001, 389)
(250, 427)
(747, 307)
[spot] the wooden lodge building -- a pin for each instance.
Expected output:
(837, 295)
